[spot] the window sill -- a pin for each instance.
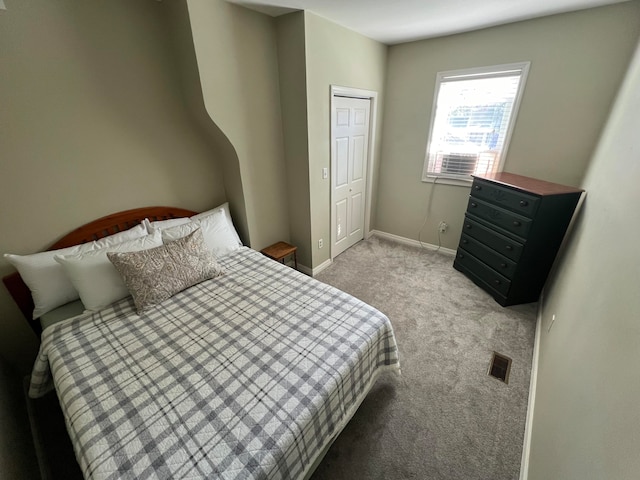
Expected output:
(458, 182)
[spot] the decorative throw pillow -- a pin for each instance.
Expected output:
(156, 274)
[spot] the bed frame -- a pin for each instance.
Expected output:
(102, 227)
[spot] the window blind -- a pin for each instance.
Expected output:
(472, 121)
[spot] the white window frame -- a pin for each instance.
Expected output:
(487, 72)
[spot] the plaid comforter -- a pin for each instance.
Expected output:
(248, 375)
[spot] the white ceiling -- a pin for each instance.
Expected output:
(398, 21)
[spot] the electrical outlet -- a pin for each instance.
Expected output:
(320, 243)
(442, 227)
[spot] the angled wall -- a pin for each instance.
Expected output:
(236, 52)
(586, 418)
(178, 26)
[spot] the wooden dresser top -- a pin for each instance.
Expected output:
(533, 185)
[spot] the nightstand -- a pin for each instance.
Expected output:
(279, 251)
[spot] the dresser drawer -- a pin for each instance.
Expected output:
(510, 199)
(501, 244)
(499, 217)
(489, 256)
(485, 273)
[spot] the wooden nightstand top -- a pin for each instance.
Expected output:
(279, 250)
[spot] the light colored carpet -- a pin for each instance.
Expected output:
(444, 418)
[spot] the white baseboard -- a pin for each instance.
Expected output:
(312, 272)
(533, 383)
(409, 241)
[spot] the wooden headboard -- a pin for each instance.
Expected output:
(102, 227)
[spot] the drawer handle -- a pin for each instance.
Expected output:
(478, 187)
(468, 225)
(523, 203)
(465, 241)
(461, 255)
(497, 282)
(508, 247)
(474, 205)
(516, 223)
(503, 265)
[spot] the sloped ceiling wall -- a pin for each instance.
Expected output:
(236, 52)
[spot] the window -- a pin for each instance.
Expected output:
(473, 116)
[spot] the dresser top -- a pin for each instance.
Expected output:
(533, 185)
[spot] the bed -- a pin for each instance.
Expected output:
(251, 374)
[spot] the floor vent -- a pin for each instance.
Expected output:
(500, 367)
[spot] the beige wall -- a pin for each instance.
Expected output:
(338, 56)
(586, 420)
(92, 122)
(180, 39)
(236, 51)
(577, 63)
(293, 101)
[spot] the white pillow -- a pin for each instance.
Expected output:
(94, 276)
(49, 285)
(217, 234)
(46, 279)
(215, 229)
(138, 231)
(172, 234)
(162, 224)
(224, 207)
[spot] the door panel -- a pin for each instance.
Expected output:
(358, 158)
(342, 161)
(360, 116)
(357, 217)
(342, 117)
(349, 153)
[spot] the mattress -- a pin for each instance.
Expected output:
(248, 375)
(59, 314)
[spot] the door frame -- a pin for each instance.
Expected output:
(372, 96)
